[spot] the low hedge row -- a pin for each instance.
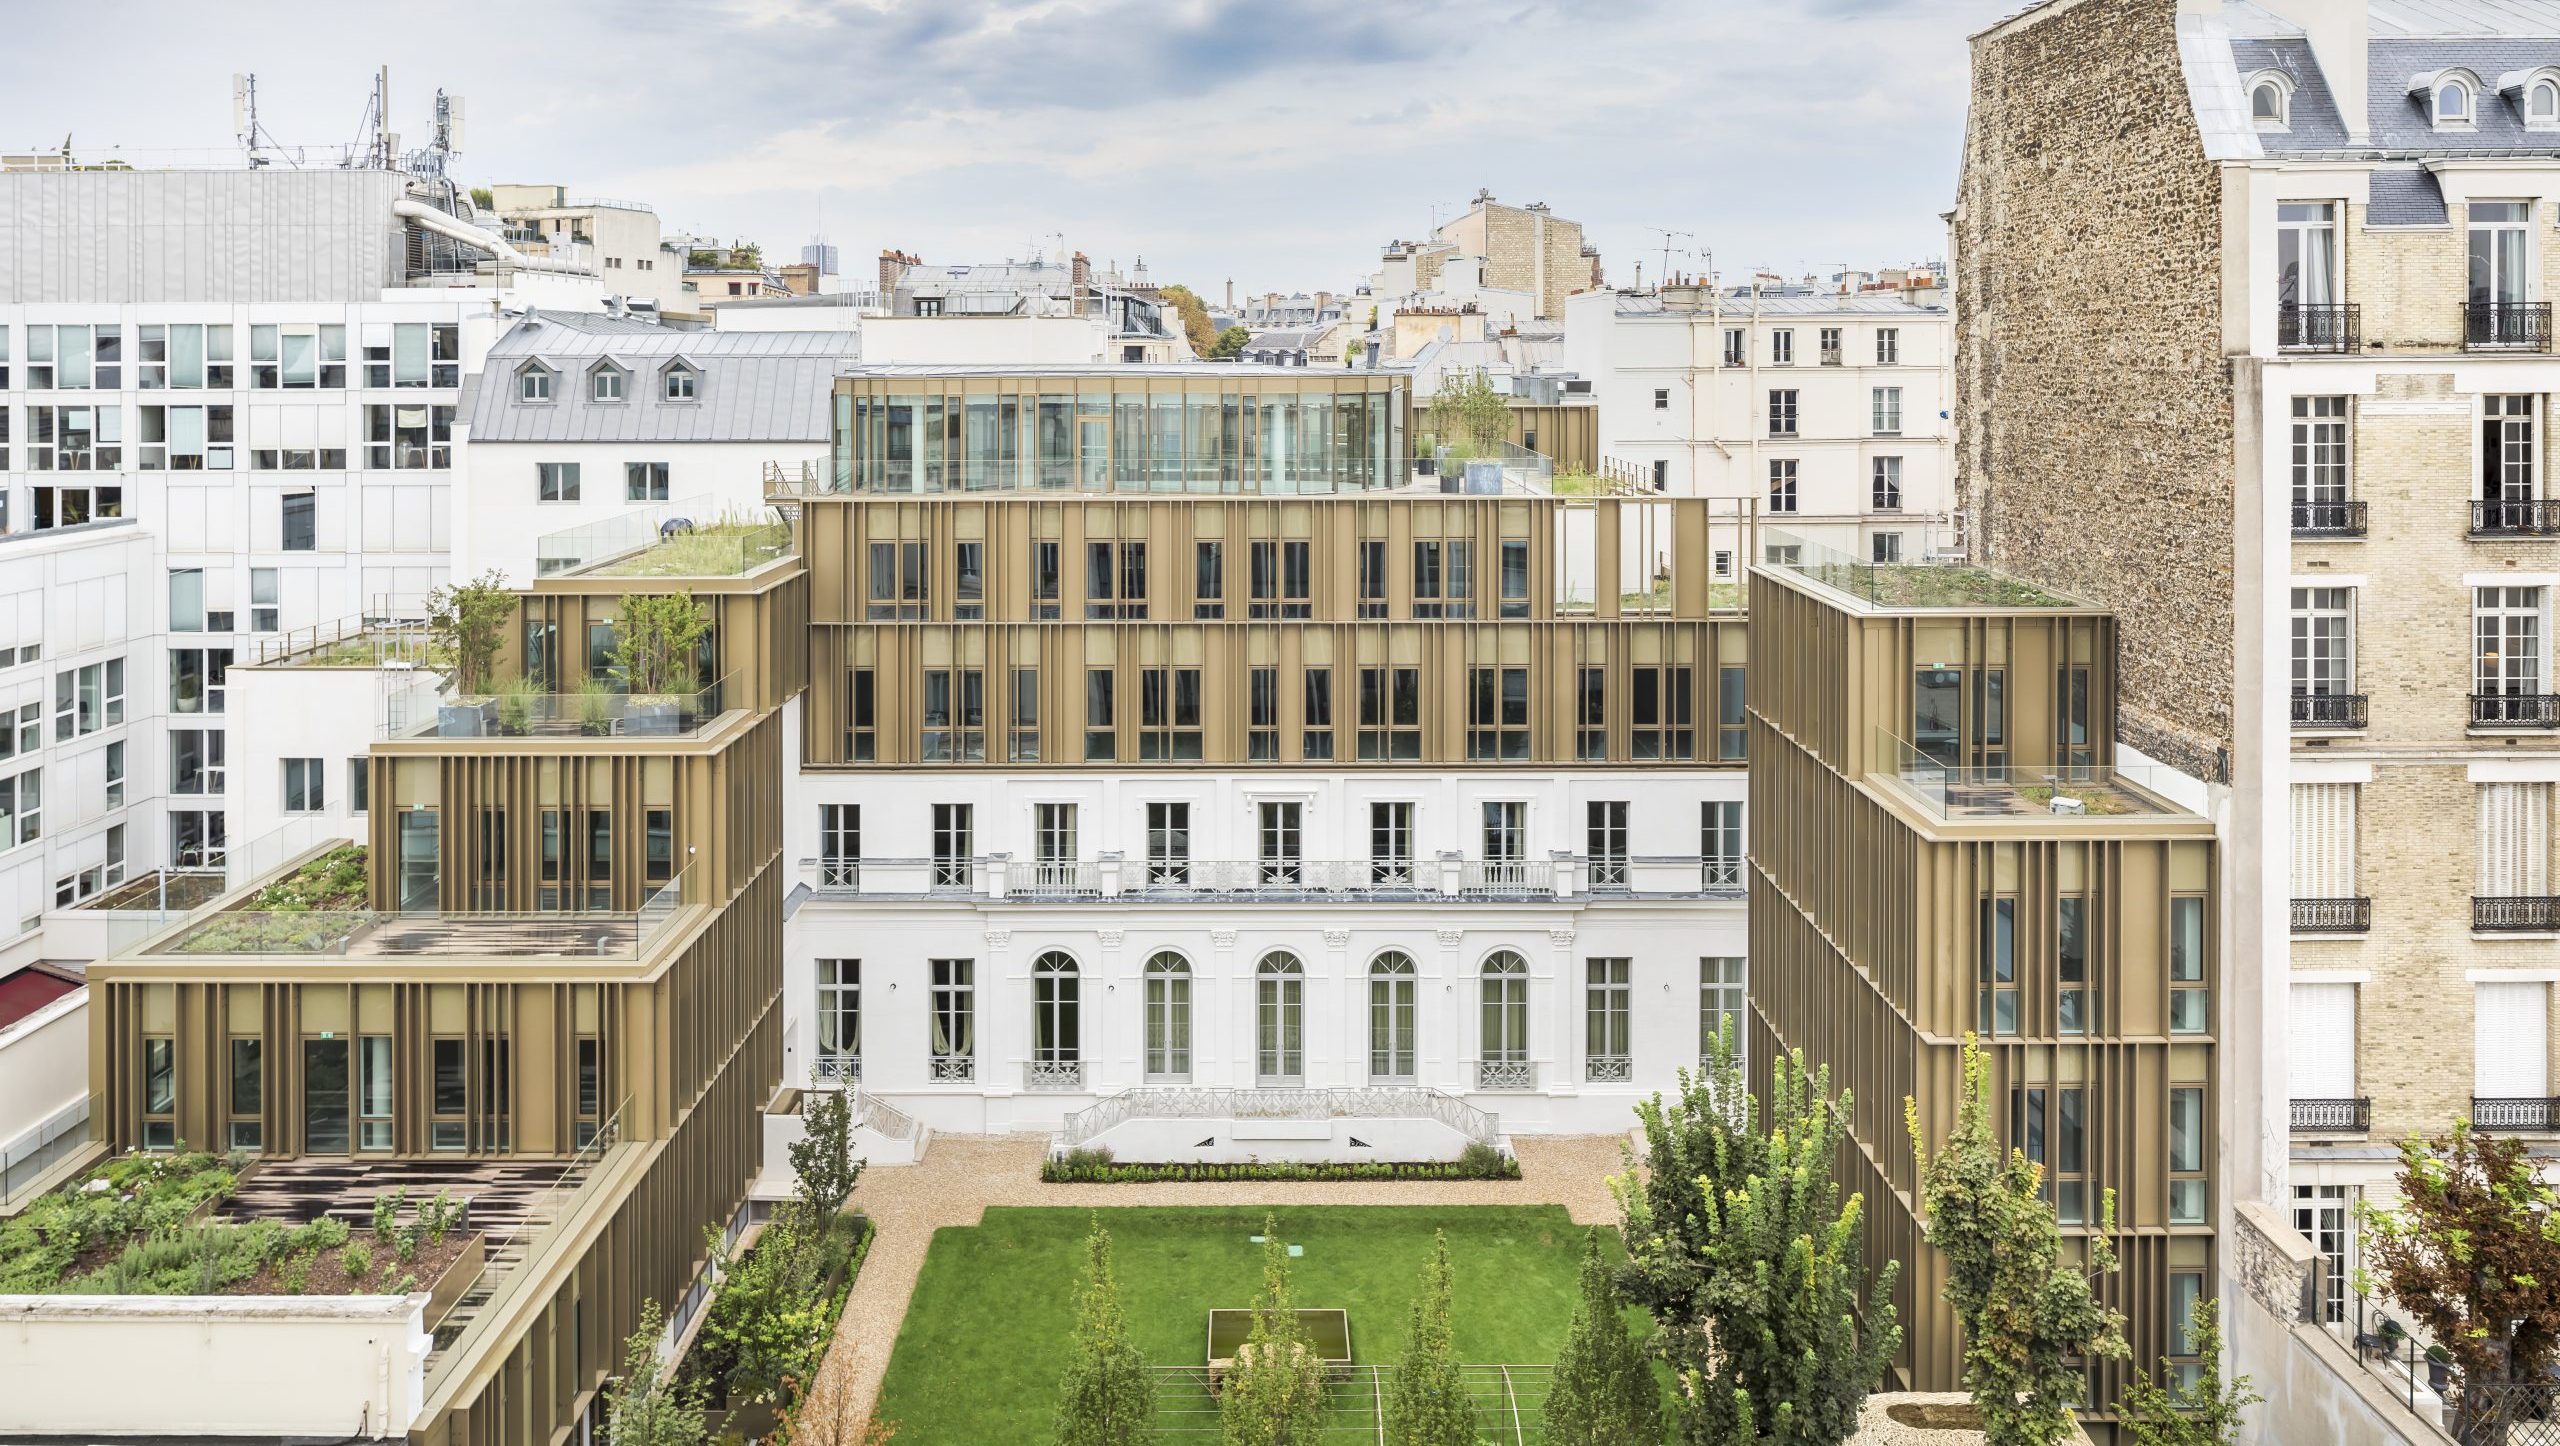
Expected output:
(1071, 1170)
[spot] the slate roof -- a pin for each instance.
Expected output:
(753, 386)
(2312, 121)
(1865, 304)
(2405, 196)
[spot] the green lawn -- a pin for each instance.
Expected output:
(988, 1332)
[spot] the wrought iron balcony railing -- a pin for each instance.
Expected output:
(2332, 326)
(2332, 916)
(2507, 325)
(1506, 1074)
(2527, 1113)
(2332, 1116)
(954, 1069)
(2328, 519)
(837, 1067)
(2515, 913)
(2515, 517)
(2515, 710)
(1608, 1068)
(2328, 710)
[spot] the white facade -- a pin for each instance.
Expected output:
(1279, 976)
(1830, 413)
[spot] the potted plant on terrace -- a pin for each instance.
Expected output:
(653, 650)
(467, 623)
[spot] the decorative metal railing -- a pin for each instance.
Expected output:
(1608, 1069)
(2515, 710)
(1053, 1076)
(2515, 517)
(2507, 325)
(2528, 1113)
(839, 1067)
(2334, 327)
(2328, 710)
(2332, 916)
(1506, 1074)
(1398, 1102)
(2332, 1116)
(2328, 519)
(954, 1069)
(2518, 913)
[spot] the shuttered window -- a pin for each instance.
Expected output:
(2511, 1042)
(2324, 840)
(2320, 1042)
(2515, 830)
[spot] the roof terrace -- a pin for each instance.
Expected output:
(1902, 586)
(1952, 793)
(692, 537)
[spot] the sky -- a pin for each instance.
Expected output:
(1277, 144)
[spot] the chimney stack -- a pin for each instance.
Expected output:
(893, 269)
(1079, 280)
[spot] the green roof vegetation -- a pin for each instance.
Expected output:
(713, 549)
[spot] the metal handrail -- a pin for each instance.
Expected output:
(2344, 915)
(2312, 1116)
(42, 1146)
(543, 1219)
(1185, 1102)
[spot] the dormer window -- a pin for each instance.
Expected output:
(533, 383)
(2453, 103)
(605, 382)
(2270, 103)
(681, 382)
(2542, 105)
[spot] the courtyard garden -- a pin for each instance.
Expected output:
(992, 1324)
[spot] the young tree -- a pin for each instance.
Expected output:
(1428, 1405)
(1108, 1397)
(1468, 411)
(1602, 1393)
(768, 1325)
(2472, 1253)
(823, 1156)
(468, 623)
(1749, 1259)
(1230, 344)
(2205, 1414)
(2025, 1308)
(647, 1407)
(655, 640)
(1274, 1394)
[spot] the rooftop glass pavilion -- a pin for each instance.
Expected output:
(1216, 429)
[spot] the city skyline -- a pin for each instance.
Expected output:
(1018, 124)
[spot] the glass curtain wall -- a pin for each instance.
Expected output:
(1176, 435)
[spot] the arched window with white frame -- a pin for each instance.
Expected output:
(2270, 102)
(1168, 1009)
(1502, 1042)
(1279, 1021)
(1391, 1018)
(1057, 1056)
(2542, 103)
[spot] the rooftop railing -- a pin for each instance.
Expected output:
(1900, 585)
(423, 709)
(429, 933)
(1973, 794)
(689, 537)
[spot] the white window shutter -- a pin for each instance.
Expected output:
(2511, 1040)
(2320, 1042)
(2324, 840)
(2515, 826)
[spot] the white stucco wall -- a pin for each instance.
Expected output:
(334, 1368)
(332, 714)
(507, 515)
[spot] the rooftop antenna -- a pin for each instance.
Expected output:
(1668, 248)
(374, 140)
(244, 115)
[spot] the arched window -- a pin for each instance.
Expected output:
(2268, 103)
(1279, 1016)
(2453, 101)
(1056, 1061)
(2542, 105)
(1502, 1057)
(1391, 1051)
(1168, 1019)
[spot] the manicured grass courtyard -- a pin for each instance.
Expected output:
(987, 1335)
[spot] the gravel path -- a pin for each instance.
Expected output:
(963, 1174)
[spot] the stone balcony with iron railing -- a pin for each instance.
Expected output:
(2519, 1114)
(2515, 517)
(1560, 878)
(2506, 326)
(2515, 710)
(2320, 327)
(2515, 914)
(2328, 521)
